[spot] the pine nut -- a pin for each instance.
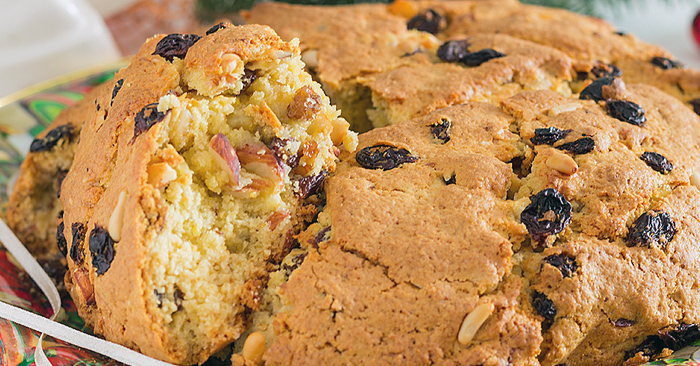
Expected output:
(557, 110)
(254, 347)
(116, 221)
(562, 163)
(695, 179)
(473, 321)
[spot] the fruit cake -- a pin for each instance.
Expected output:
(187, 185)
(380, 62)
(542, 229)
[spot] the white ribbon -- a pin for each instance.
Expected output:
(50, 326)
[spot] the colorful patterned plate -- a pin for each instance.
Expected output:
(22, 116)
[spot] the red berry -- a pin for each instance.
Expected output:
(696, 29)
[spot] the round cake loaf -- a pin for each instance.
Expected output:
(187, 185)
(526, 193)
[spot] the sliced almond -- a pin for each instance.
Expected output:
(160, 174)
(557, 110)
(81, 276)
(276, 218)
(254, 347)
(473, 321)
(225, 156)
(562, 163)
(260, 160)
(116, 221)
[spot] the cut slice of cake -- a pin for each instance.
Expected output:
(188, 185)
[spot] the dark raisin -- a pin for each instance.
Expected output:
(102, 249)
(544, 306)
(215, 28)
(178, 296)
(547, 214)
(696, 105)
(52, 138)
(175, 45)
(621, 34)
(657, 162)
(60, 176)
(678, 336)
(479, 57)
(61, 239)
(441, 130)
(294, 263)
(384, 157)
(651, 347)
(146, 118)
(624, 323)
(248, 77)
(580, 146)
(78, 230)
(594, 90)
(652, 228)
(673, 337)
(311, 184)
(581, 75)
(453, 51)
(279, 148)
(666, 63)
(606, 71)
(565, 263)
(428, 21)
(548, 135)
(626, 111)
(451, 180)
(117, 87)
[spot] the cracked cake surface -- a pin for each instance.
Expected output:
(525, 193)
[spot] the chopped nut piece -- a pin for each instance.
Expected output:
(557, 110)
(340, 129)
(260, 160)
(160, 174)
(695, 179)
(562, 163)
(224, 154)
(473, 322)
(116, 221)
(310, 58)
(264, 115)
(254, 347)
(87, 289)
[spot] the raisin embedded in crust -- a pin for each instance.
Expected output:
(428, 21)
(652, 228)
(101, 248)
(215, 28)
(594, 90)
(657, 162)
(548, 135)
(547, 214)
(544, 306)
(384, 157)
(479, 57)
(146, 118)
(580, 146)
(441, 130)
(52, 138)
(175, 45)
(626, 111)
(453, 51)
(666, 63)
(565, 263)
(78, 230)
